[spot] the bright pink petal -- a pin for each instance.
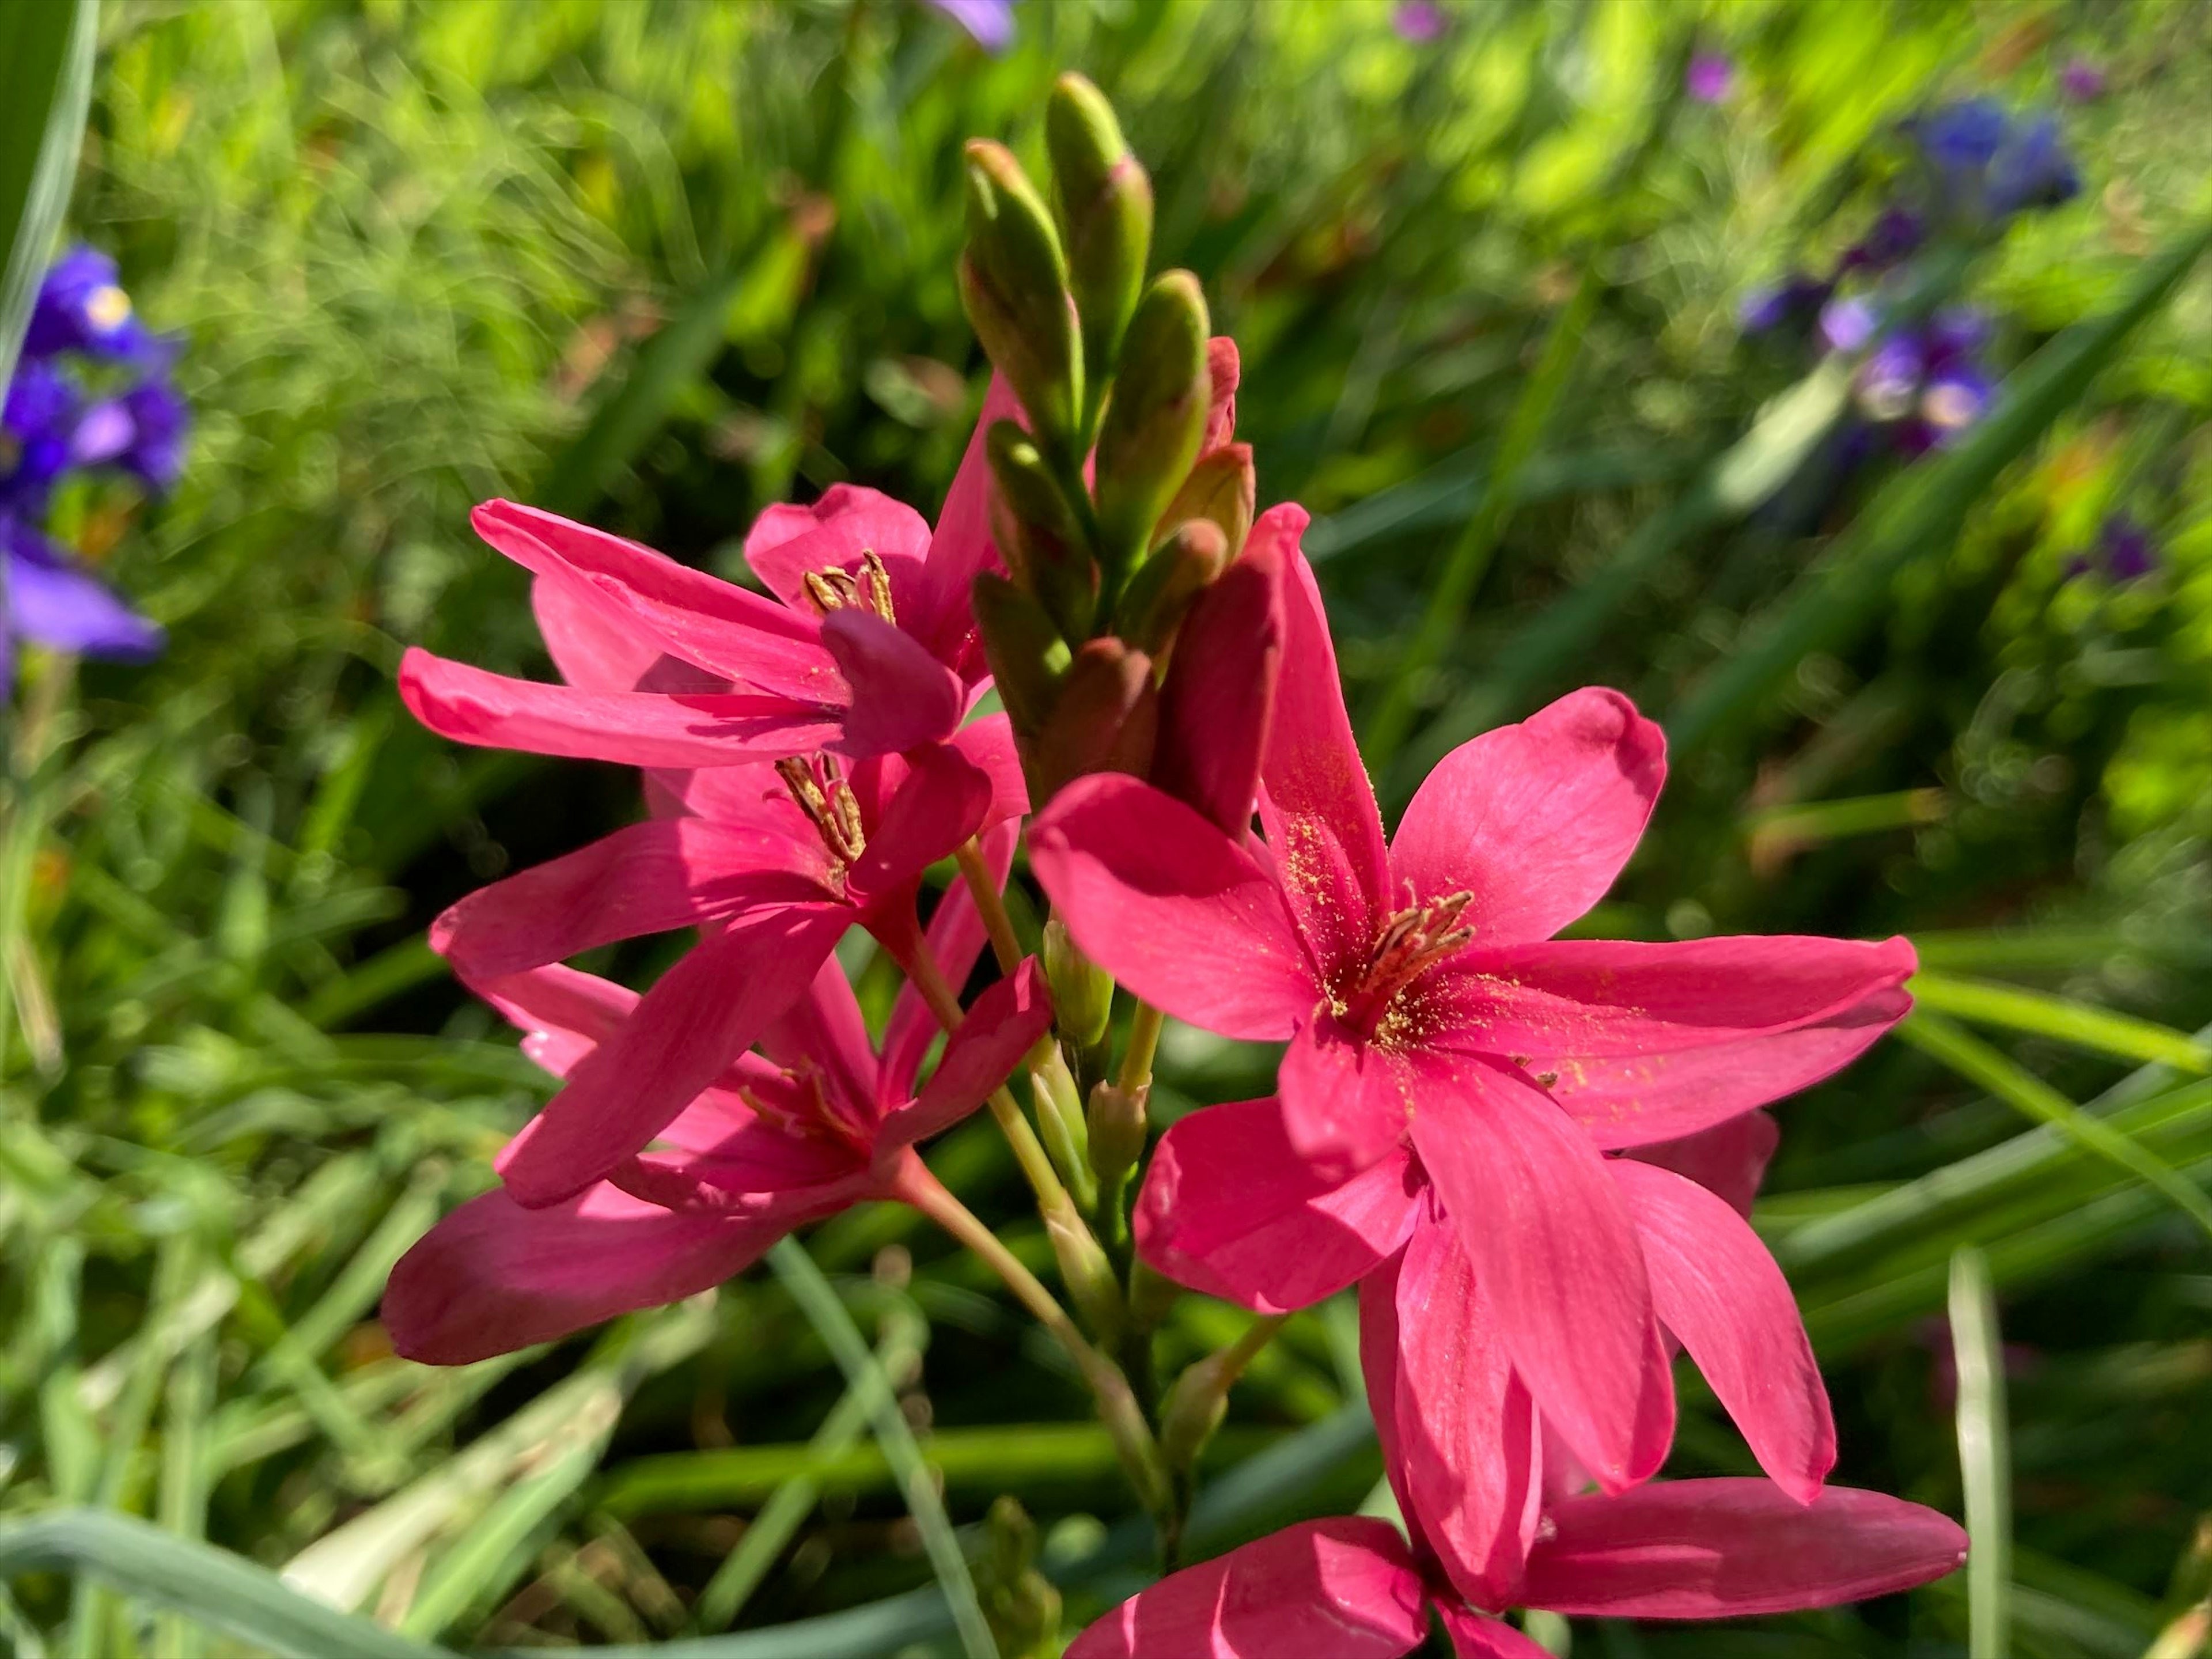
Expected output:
(1716, 1289)
(646, 879)
(1347, 1100)
(1478, 1636)
(1316, 804)
(710, 623)
(762, 1173)
(563, 1014)
(900, 694)
(961, 547)
(956, 936)
(1610, 998)
(696, 1019)
(787, 543)
(630, 728)
(493, 1277)
(1231, 1209)
(1730, 1158)
(1545, 1228)
(593, 650)
(1535, 820)
(940, 805)
(1467, 1434)
(1223, 371)
(824, 1032)
(1172, 908)
(1322, 1589)
(1638, 1100)
(1003, 1025)
(989, 743)
(1717, 1549)
(1217, 704)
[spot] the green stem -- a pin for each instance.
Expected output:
(1136, 1071)
(989, 904)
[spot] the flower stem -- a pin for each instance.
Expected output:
(1136, 1071)
(990, 904)
(1124, 1418)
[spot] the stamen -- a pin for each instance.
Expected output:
(836, 589)
(1410, 941)
(829, 802)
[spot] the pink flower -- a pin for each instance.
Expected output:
(815, 1123)
(867, 647)
(772, 865)
(1352, 1588)
(1429, 1018)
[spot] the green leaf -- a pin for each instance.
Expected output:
(1917, 514)
(45, 87)
(1984, 1454)
(2060, 1019)
(220, 1590)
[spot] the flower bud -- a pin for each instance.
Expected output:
(1043, 543)
(1105, 202)
(1152, 1296)
(1087, 1274)
(1117, 1133)
(1105, 719)
(1082, 991)
(1013, 284)
(1060, 1126)
(1222, 488)
(1025, 649)
(1020, 1602)
(1157, 416)
(1157, 596)
(1195, 1405)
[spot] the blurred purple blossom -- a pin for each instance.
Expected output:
(1711, 76)
(991, 22)
(2081, 81)
(1896, 233)
(1418, 21)
(1792, 302)
(2124, 548)
(1988, 165)
(1848, 324)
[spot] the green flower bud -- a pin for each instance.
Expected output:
(1222, 488)
(1025, 649)
(1082, 991)
(1195, 1405)
(1105, 202)
(1117, 1133)
(1087, 1274)
(1019, 1602)
(1153, 604)
(1157, 416)
(1013, 283)
(1044, 544)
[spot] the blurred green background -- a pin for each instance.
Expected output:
(660, 263)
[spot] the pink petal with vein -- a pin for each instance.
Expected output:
(1217, 706)
(1729, 1159)
(955, 935)
(1347, 1100)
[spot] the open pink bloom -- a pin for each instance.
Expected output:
(1430, 1013)
(772, 865)
(868, 646)
(815, 1122)
(1352, 1588)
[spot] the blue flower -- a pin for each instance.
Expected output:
(82, 308)
(51, 599)
(1987, 165)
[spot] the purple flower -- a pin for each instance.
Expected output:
(1953, 400)
(1792, 302)
(2081, 81)
(990, 21)
(1962, 137)
(49, 599)
(82, 308)
(2124, 548)
(1710, 77)
(1987, 166)
(2033, 170)
(1897, 233)
(36, 423)
(1847, 324)
(1890, 377)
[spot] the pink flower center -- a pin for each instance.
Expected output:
(814, 1111)
(1405, 947)
(835, 589)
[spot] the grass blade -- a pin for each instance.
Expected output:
(2060, 1019)
(1984, 1455)
(223, 1590)
(1975, 1061)
(45, 87)
(864, 1376)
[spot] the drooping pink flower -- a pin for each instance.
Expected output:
(813, 1123)
(867, 646)
(772, 865)
(1430, 1014)
(1352, 1588)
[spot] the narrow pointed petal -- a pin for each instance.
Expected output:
(1003, 1026)
(1347, 1100)
(594, 649)
(1172, 908)
(1345, 1588)
(1608, 998)
(900, 694)
(756, 1168)
(629, 729)
(941, 802)
(1718, 1549)
(1536, 819)
(562, 1013)
(1478, 1636)
(1316, 805)
(1218, 702)
(1223, 371)
(645, 879)
(989, 743)
(1466, 1432)
(787, 541)
(1730, 1158)
(1231, 1209)
(51, 599)
(493, 1277)
(698, 1018)
(1547, 1230)
(1716, 1289)
(956, 936)
(708, 622)
(961, 547)
(824, 1030)
(1638, 1100)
